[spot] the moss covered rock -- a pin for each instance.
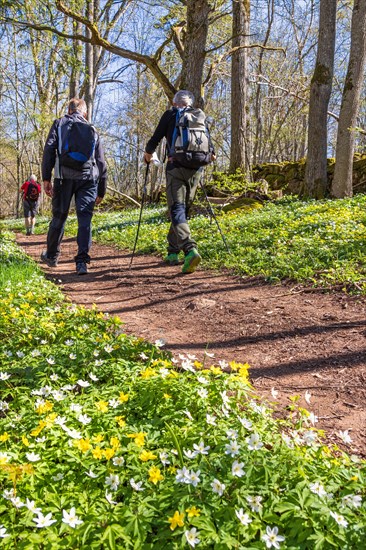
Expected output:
(289, 176)
(242, 203)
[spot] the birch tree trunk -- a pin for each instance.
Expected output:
(194, 48)
(258, 146)
(239, 87)
(342, 182)
(321, 86)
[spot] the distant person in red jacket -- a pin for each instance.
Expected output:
(31, 191)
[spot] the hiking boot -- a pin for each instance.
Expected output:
(191, 261)
(51, 262)
(28, 232)
(81, 268)
(172, 259)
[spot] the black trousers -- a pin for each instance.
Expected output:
(85, 192)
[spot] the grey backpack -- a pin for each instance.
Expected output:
(191, 142)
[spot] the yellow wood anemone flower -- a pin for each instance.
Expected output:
(193, 512)
(109, 453)
(145, 456)
(45, 407)
(97, 453)
(83, 445)
(123, 397)
(120, 421)
(37, 431)
(155, 475)
(139, 438)
(177, 520)
(148, 373)
(114, 442)
(102, 406)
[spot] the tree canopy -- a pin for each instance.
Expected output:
(127, 59)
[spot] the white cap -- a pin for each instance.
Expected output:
(33, 178)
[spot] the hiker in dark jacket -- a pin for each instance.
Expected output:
(31, 191)
(82, 174)
(181, 187)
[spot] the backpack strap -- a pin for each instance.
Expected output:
(184, 132)
(175, 132)
(59, 145)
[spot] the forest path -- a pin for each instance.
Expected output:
(294, 339)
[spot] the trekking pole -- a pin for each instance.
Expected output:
(213, 215)
(144, 191)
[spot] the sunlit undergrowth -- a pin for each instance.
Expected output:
(105, 442)
(317, 242)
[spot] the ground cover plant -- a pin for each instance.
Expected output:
(317, 242)
(106, 442)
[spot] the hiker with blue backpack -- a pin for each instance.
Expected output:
(189, 149)
(74, 151)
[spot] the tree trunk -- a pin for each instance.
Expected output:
(342, 182)
(239, 87)
(194, 48)
(257, 149)
(75, 69)
(89, 64)
(19, 182)
(320, 90)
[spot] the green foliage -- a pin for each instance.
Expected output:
(230, 184)
(317, 242)
(118, 448)
(321, 243)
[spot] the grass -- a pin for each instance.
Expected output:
(320, 243)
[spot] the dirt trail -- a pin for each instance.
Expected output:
(294, 339)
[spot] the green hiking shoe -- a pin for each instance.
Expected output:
(191, 261)
(172, 259)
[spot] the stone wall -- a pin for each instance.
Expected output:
(289, 176)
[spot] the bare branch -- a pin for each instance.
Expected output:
(251, 46)
(289, 92)
(177, 31)
(112, 190)
(97, 40)
(111, 81)
(224, 43)
(215, 18)
(159, 51)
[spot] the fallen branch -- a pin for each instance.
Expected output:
(112, 190)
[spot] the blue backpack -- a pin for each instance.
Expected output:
(76, 144)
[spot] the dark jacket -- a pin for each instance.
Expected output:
(50, 159)
(165, 128)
